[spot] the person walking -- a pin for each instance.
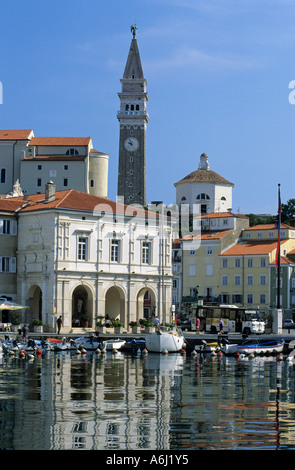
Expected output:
(59, 323)
(156, 322)
(25, 332)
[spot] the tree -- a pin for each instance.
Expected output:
(288, 211)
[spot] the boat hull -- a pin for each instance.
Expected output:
(111, 345)
(162, 342)
(255, 347)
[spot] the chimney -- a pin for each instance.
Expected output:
(50, 191)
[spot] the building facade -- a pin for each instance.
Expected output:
(79, 255)
(200, 260)
(133, 118)
(204, 191)
(248, 271)
(70, 162)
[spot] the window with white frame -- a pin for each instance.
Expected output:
(146, 253)
(225, 263)
(250, 280)
(250, 262)
(263, 298)
(8, 227)
(237, 280)
(237, 262)
(225, 280)
(82, 248)
(209, 250)
(7, 264)
(249, 298)
(115, 251)
(262, 262)
(262, 279)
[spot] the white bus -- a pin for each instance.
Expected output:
(235, 319)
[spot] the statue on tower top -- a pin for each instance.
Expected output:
(133, 29)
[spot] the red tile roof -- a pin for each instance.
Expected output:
(204, 176)
(284, 260)
(210, 235)
(15, 134)
(62, 141)
(252, 248)
(268, 227)
(220, 215)
(71, 199)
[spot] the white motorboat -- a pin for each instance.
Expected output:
(65, 345)
(253, 346)
(165, 341)
(113, 344)
(90, 344)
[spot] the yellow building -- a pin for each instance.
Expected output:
(201, 262)
(245, 267)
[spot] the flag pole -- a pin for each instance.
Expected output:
(278, 256)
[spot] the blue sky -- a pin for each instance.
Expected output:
(218, 73)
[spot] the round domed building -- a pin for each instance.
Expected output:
(204, 190)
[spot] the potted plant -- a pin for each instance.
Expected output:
(118, 325)
(149, 327)
(16, 319)
(37, 326)
(101, 325)
(84, 320)
(135, 327)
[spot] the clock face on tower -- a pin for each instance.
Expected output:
(131, 144)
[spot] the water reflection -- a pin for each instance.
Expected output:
(157, 402)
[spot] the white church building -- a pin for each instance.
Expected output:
(204, 191)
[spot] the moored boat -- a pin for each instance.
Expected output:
(165, 341)
(65, 345)
(90, 344)
(255, 346)
(134, 346)
(113, 344)
(205, 347)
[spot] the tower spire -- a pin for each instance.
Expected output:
(133, 118)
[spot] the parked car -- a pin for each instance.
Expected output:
(186, 325)
(288, 324)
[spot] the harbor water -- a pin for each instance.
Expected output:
(120, 402)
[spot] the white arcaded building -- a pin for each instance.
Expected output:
(81, 254)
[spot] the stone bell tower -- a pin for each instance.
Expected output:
(133, 119)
